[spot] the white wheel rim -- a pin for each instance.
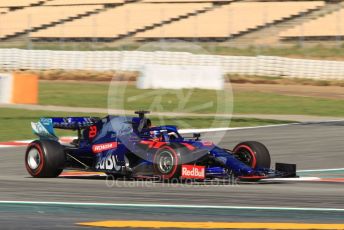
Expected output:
(33, 159)
(166, 162)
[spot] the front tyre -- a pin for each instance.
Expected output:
(253, 154)
(167, 163)
(44, 158)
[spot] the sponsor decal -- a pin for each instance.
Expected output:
(69, 121)
(46, 121)
(109, 163)
(93, 132)
(193, 171)
(207, 143)
(103, 147)
(43, 131)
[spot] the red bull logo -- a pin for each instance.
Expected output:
(193, 171)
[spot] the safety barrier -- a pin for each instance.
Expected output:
(180, 76)
(17, 59)
(18, 88)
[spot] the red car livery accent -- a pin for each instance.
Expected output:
(193, 171)
(190, 147)
(103, 147)
(153, 144)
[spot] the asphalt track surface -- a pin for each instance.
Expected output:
(310, 146)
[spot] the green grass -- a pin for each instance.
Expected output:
(95, 95)
(271, 103)
(15, 123)
(73, 94)
(128, 98)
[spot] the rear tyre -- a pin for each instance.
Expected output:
(167, 163)
(253, 154)
(44, 158)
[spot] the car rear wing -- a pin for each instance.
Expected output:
(44, 128)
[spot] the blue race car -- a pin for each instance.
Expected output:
(132, 147)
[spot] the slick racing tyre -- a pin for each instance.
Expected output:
(167, 163)
(44, 158)
(253, 154)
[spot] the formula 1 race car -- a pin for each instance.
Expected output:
(132, 147)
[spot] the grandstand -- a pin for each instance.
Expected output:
(20, 3)
(319, 29)
(204, 20)
(82, 2)
(3, 10)
(186, 1)
(232, 19)
(127, 20)
(20, 21)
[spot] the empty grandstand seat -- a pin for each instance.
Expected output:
(3, 10)
(230, 19)
(82, 2)
(184, 1)
(327, 26)
(121, 20)
(30, 17)
(17, 3)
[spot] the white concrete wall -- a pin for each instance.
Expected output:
(180, 76)
(6, 83)
(13, 59)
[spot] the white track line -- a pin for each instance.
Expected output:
(250, 127)
(19, 143)
(293, 179)
(182, 131)
(321, 170)
(24, 141)
(171, 206)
